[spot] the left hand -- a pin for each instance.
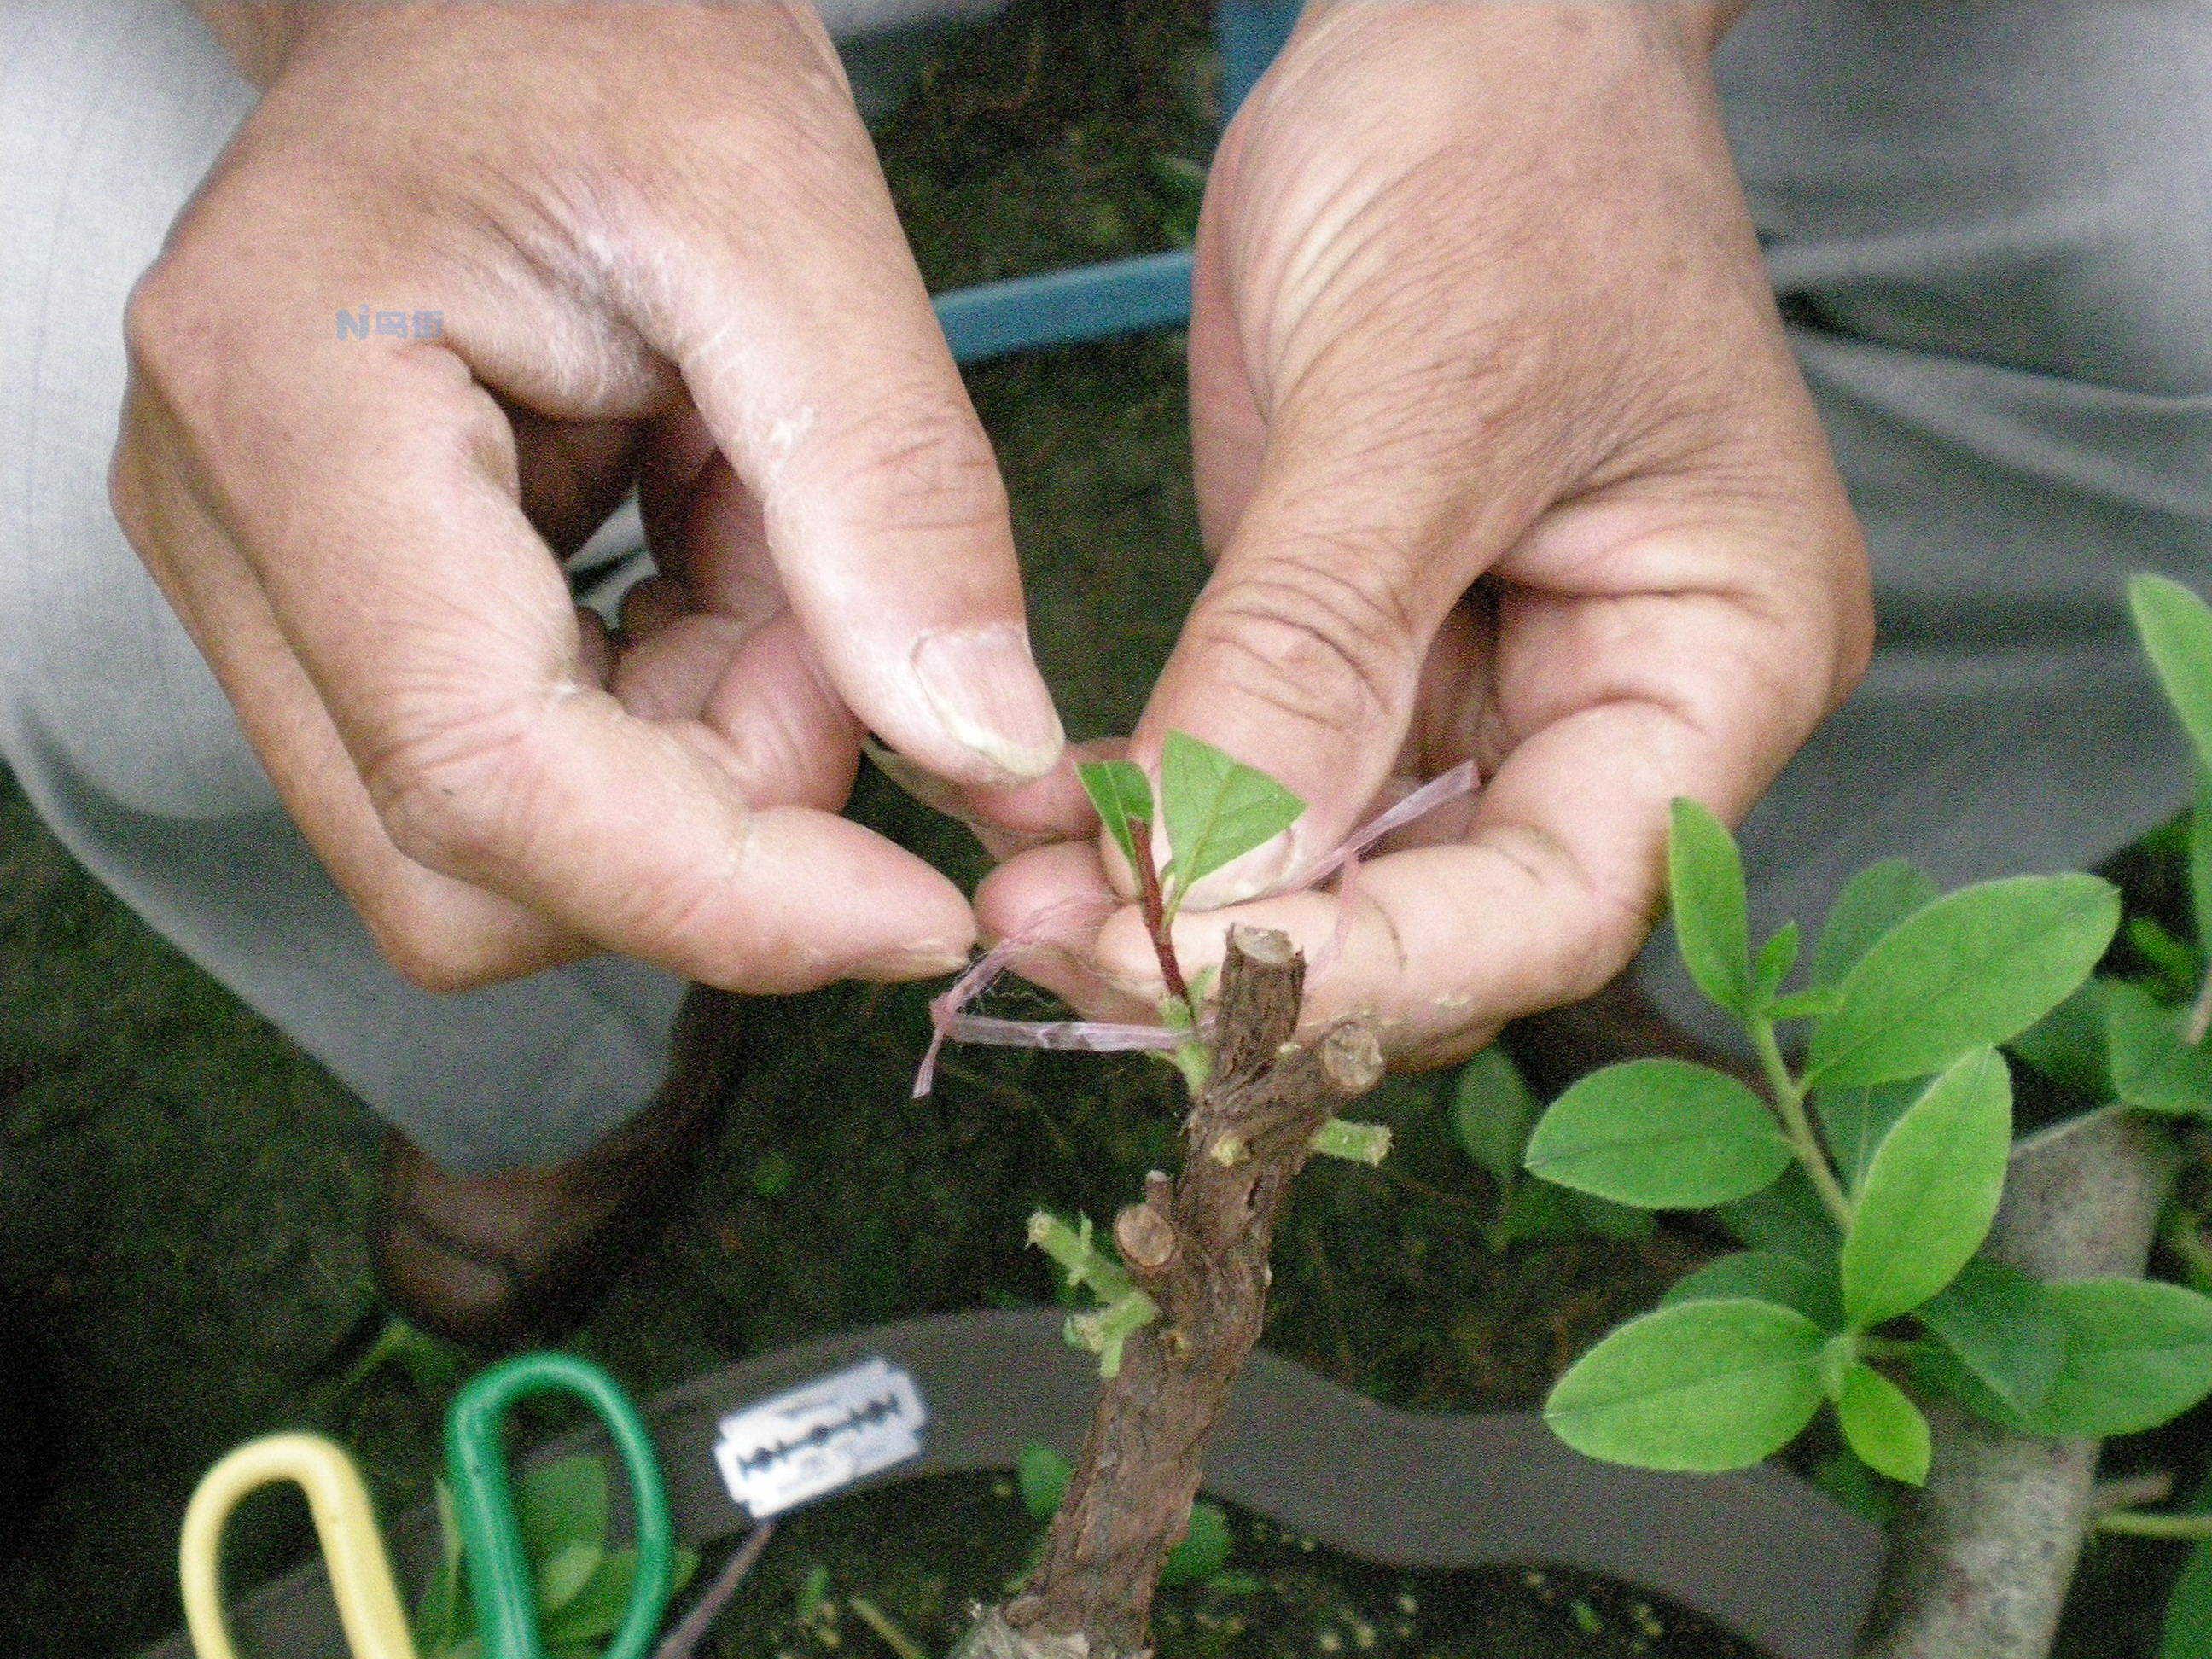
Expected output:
(1504, 454)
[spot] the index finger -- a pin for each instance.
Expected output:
(379, 514)
(1550, 891)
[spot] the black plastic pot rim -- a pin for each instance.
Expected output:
(1760, 1553)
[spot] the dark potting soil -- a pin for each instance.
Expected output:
(903, 1567)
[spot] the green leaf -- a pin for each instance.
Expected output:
(1883, 1426)
(1183, 190)
(1661, 1134)
(1762, 1276)
(1602, 1217)
(2176, 628)
(1218, 809)
(1493, 1110)
(431, 1364)
(1193, 1057)
(441, 1614)
(2200, 858)
(1838, 1355)
(2155, 1068)
(1712, 926)
(1775, 958)
(1930, 1193)
(1846, 1481)
(1704, 1387)
(1204, 1550)
(563, 1575)
(813, 1593)
(437, 1620)
(2174, 962)
(1813, 1002)
(1123, 795)
(1974, 968)
(596, 1611)
(1940, 1371)
(2138, 1353)
(1872, 903)
(562, 1503)
(1043, 1475)
(1854, 1121)
(2002, 1328)
(2069, 1045)
(1788, 1219)
(1534, 1212)
(2188, 1632)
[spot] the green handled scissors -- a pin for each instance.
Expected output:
(500, 1580)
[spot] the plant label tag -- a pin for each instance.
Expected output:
(821, 1438)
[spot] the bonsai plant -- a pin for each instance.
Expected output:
(1971, 1312)
(1965, 1310)
(1181, 1296)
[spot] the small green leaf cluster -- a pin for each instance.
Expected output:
(1043, 1475)
(563, 1513)
(1887, 1146)
(2138, 1037)
(1122, 1310)
(1216, 810)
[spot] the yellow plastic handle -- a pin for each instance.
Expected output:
(361, 1572)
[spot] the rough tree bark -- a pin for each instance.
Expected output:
(1198, 1244)
(1980, 1560)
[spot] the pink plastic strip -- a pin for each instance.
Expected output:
(952, 1023)
(1431, 797)
(1090, 1036)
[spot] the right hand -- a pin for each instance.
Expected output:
(1506, 460)
(664, 255)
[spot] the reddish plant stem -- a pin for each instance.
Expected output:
(1152, 905)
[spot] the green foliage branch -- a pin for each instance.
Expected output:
(1863, 1157)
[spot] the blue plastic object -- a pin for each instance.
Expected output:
(1128, 296)
(1064, 307)
(1252, 33)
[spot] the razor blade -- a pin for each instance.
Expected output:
(821, 1438)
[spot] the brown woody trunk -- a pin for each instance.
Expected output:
(1198, 1244)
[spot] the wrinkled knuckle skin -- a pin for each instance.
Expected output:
(1328, 648)
(169, 327)
(455, 799)
(1821, 632)
(1856, 625)
(197, 322)
(126, 496)
(1614, 922)
(430, 956)
(924, 466)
